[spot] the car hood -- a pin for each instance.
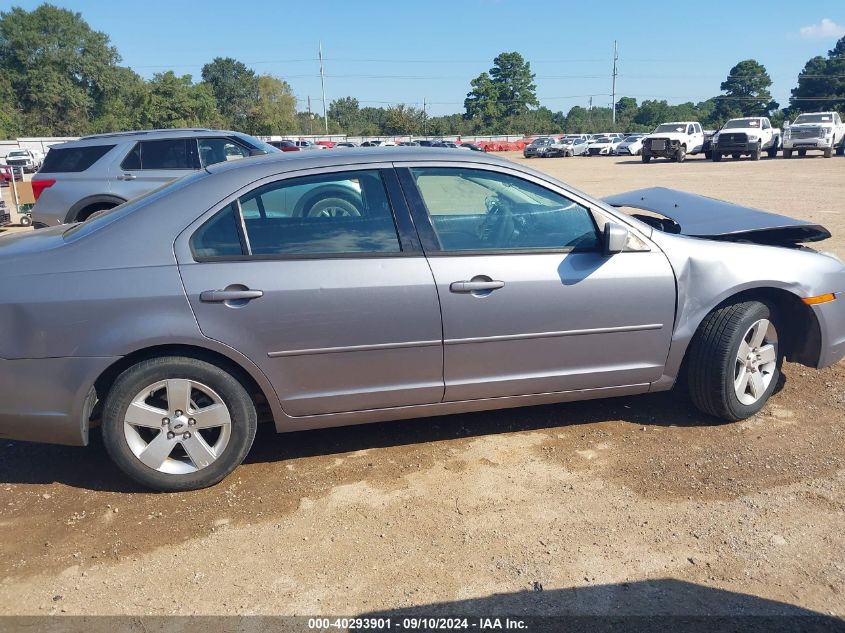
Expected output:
(700, 216)
(675, 136)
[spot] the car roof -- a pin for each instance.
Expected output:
(293, 161)
(147, 135)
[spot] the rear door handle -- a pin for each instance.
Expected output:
(219, 296)
(127, 177)
(475, 286)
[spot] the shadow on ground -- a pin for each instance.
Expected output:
(651, 605)
(90, 468)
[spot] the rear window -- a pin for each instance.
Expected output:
(176, 153)
(73, 158)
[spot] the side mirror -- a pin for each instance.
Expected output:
(256, 152)
(615, 238)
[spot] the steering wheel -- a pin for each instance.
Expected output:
(497, 228)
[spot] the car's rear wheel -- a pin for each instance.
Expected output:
(176, 423)
(716, 156)
(89, 211)
(333, 208)
(802, 152)
(646, 158)
(734, 361)
(787, 153)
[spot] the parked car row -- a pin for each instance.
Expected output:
(675, 140)
(608, 144)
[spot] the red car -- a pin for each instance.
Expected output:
(6, 172)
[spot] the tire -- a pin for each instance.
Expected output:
(681, 154)
(787, 153)
(26, 220)
(755, 153)
(332, 207)
(773, 150)
(89, 211)
(708, 155)
(646, 158)
(735, 155)
(716, 156)
(714, 365)
(208, 386)
(802, 153)
(828, 152)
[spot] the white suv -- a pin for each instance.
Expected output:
(822, 131)
(102, 171)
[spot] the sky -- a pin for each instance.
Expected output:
(385, 52)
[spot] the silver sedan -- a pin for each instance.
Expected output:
(430, 282)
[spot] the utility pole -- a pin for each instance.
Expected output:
(323, 86)
(425, 120)
(310, 117)
(590, 113)
(613, 96)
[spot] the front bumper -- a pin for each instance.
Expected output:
(48, 399)
(664, 148)
(831, 318)
(735, 147)
(807, 143)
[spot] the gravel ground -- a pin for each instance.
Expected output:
(630, 504)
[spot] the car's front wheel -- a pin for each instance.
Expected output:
(734, 360)
(176, 423)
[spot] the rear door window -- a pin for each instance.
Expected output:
(220, 150)
(73, 159)
(176, 153)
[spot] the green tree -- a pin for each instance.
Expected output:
(507, 90)
(274, 111)
(482, 102)
(346, 113)
(626, 110)
(234, 86)
(57, 66)
(401, 120)
(122, 103)
(746, 90)
(175, 101)
(514, 82)
(821, 83)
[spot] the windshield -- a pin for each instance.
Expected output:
(602, 139)
(741, 123)
(814, 118)
(18, 152)
(542, 141)
(670, 127)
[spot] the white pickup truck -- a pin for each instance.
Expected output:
(748, 136)
(673, 141)
(25, 159)
(822, 131)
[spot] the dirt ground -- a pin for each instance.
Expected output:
(634, 504)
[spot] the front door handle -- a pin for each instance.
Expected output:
(221, 296)
(127, 177)
(476, 286)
